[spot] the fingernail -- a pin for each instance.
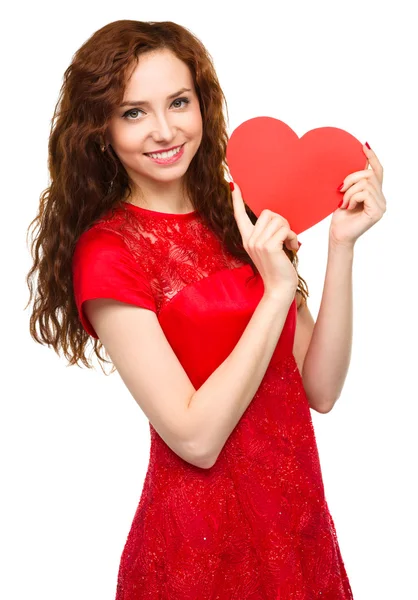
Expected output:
(367, 144)
(300, 244)
(341, 203)
(231, 185)
(340, 187)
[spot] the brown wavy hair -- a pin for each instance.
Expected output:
(80, 173)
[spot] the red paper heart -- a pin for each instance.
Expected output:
(294, 177)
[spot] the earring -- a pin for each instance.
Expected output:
(103, 148)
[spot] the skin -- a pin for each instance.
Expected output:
(161, 124)
(322, 350)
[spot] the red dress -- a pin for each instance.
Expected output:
(256, 525)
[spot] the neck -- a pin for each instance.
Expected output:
(170, 197)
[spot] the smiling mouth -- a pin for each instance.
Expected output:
(163, 151)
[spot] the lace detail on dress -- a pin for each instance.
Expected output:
(172, 252)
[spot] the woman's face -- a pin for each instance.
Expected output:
(160, 115)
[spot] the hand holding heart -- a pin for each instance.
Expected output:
(363, 203)
(297, 178)
(264, 243)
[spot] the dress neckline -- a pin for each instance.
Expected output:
(142, 210)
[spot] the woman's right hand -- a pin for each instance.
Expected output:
(264, 243)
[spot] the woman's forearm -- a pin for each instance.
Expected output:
(328, 356)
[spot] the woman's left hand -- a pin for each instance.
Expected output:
(363, 203)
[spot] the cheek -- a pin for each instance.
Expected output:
(127, 139)
(197, 126)
(125, 136)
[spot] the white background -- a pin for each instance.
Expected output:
(74, 443)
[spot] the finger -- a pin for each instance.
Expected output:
(264, 221)
(286, 240)
(244, 223)
(356, 201)
(288, 237)
(267, 225)
(292, 241)
(354, 178)
(374, 162)
(363, 201)
(369, 185)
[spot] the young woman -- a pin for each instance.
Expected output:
(199, 306)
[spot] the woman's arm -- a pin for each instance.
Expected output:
(328, 356)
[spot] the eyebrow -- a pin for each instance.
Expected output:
(135, 103)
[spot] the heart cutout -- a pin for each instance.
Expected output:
(294, 177)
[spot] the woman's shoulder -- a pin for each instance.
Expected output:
(98, 235)
(107, 229)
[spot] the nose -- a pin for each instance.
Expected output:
(163, 129)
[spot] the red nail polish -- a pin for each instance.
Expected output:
(340, 203)
(231, 185)
(367, 144)
(300, 244)
(339, 187)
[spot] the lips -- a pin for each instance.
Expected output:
(161, 151)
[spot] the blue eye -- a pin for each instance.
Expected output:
(138, 110)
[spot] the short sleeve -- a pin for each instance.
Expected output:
(103, 267)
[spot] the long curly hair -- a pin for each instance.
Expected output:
(85, 182)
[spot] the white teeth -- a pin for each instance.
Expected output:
(166, 154)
